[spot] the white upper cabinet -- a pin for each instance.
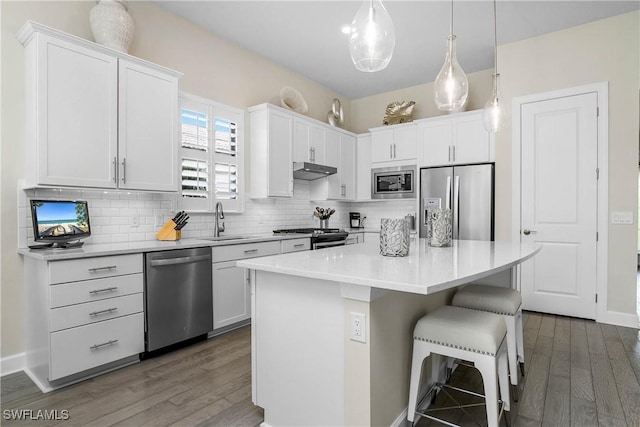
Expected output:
(341, 154)
(363, 167)
(308, 141)
(393, 143)
(271, 151)
(97, 117)
(454, 139)
(148, 151)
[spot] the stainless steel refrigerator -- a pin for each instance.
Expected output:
(468, 190)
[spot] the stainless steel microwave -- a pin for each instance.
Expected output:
(398, 182)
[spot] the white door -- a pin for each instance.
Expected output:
(559, 160)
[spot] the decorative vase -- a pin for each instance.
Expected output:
(111, 24)
(394, 237)
(439, 227)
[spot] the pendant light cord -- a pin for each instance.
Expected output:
(451, 24)
(495, 39)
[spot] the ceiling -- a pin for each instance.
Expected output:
(306, 37)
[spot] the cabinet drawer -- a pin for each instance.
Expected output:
(295, 245)
(97, 311)
(247, 250)
(85, 347)
(95, 290)
(92, 268)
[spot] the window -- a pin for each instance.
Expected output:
(211, 155)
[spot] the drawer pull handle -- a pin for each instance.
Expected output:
(250, 251)
(299, 245)
(99, 269)
(107, 311)
(109, 289)
(97, 346)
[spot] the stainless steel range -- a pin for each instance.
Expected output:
(320, 237)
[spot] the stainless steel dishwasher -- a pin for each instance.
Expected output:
(178, 296)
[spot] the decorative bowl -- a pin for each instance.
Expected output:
(292, 99)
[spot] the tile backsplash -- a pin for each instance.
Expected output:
(121, 216)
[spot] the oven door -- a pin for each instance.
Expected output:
(323, 245)
(393, 183)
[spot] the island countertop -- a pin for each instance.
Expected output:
(424, 271)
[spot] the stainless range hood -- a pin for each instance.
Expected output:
(311, 171)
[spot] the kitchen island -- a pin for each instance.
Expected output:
(306, 369)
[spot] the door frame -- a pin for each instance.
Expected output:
(602, 245)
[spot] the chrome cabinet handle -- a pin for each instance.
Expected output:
(124, 171)
(250, 251)
(107, 311)
(115, 169)
(394, 151)
(526, 231)
(391, 151)
(99, 269)
(449, 153)
(97, 346)
(299, 245)
(109, 289)
(454, 153)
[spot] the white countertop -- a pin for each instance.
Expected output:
(90, 250)
(424, 271)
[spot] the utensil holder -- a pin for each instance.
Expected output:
(168, 232)
(394, 237)
(324, 223)
(439, 227)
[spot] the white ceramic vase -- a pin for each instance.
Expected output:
(111, 24)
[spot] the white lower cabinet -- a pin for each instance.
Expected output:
(231, 289)
(83, 314)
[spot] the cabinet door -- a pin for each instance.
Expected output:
(405, 143)
(333, 154)
(75, 114)
(231, 294)
(363, 167)
(471, 140)
(148, 130)
(317, 144)
(280, 165)
(382, 145)
(348, 166)
(434, 143)
(301, 141)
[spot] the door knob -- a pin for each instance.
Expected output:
(526, 231)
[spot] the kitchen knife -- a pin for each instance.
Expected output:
(181, 225)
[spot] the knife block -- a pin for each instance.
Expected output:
(168, 232)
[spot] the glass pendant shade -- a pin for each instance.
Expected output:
(495, 115)
(451, 86)
(372, 38)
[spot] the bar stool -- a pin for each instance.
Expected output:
(507, 303)
(471, 335)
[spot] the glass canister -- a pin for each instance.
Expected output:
(439, 227)
(394, 237)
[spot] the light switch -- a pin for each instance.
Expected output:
(624, 217)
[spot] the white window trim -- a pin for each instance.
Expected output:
(218, 109)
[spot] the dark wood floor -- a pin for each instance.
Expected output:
(579, 373)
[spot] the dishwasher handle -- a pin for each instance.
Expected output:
(180, 260)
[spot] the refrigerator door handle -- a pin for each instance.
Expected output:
(456, 202)
(448, 194)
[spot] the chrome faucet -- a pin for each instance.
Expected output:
(219, 215)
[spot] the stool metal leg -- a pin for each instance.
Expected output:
(419, 354)
(520, 340)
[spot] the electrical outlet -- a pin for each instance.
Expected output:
(135, 221)
(158, 221)
(358, 327)
(261, 217)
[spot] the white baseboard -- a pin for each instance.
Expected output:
(12, 364)
(629, 320)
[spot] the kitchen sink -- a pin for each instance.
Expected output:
(229, 237)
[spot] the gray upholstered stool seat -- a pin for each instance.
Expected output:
(457, 327)
(475, 336)
(506, 302)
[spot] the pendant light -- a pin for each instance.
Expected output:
(451, 86)
(495, 115)
(372, 37)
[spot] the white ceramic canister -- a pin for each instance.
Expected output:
(111, 24)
